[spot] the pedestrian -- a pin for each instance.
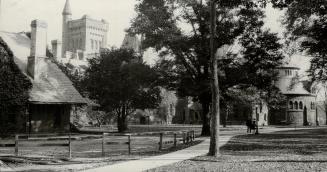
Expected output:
(248, 125)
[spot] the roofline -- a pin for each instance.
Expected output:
(288, 67)
(57, 103)
(301, 94)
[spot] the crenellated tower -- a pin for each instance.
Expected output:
(66, 17)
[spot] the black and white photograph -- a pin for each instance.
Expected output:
(163, 85)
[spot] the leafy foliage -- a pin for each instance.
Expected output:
(14, 87)
(306, 22)
(120, 85)
(163, 23)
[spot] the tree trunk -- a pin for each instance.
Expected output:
(205, 118)
(121, 121)
(214, 139)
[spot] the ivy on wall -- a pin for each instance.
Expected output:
(14, 87)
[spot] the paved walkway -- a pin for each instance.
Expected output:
(161, 160)
(170, 158)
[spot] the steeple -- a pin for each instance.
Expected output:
(66, 17)
(67, 9)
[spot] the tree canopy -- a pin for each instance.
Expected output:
(180, 29)
(122, 85)
(305, 22)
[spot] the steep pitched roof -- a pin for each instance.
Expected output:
(297, 89)
(54, 87)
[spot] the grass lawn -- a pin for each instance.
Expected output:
(295, 150)
(86, 153)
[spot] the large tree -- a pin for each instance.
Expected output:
(14, 87)
(306, 22)
(121, 85)
(180, 29)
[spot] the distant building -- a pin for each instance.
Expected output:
(82, 39)
(53, 96)
(134, 43)
(301, 102)
(187, 112)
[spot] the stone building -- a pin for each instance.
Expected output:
(301, 106)
(53, 95)
(82, 39)
(187, 112)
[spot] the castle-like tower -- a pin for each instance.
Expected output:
(81, 39)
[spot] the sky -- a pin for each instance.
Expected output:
(17, 15)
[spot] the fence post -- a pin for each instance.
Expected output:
(188, 137)
(193, 135)
(175, 140)
(70, 146)
(103, 140)
(160, 141)
(16, 144)
(183, 137)
(129, 144)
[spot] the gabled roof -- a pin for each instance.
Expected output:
(54, 87)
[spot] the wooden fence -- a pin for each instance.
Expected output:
(186, 137)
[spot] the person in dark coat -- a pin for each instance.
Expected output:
(248, 125)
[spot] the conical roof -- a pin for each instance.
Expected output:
(131, 42)
(67, 9)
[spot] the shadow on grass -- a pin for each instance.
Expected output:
(303, 142)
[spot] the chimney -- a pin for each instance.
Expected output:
(35, 62)
(56, 49)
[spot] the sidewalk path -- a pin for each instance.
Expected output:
(174, 157)
(161, 160)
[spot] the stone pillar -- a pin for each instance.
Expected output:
(56, 48)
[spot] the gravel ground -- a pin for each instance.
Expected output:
(296, 150)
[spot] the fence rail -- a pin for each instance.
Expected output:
(66, 141)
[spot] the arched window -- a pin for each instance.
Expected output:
(291, 105)
(92, 44)
(301, 105)
(296, 105)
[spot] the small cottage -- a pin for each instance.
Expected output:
(53, 95)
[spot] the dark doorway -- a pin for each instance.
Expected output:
(305, 116)
(142, 120)
(57, 117)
